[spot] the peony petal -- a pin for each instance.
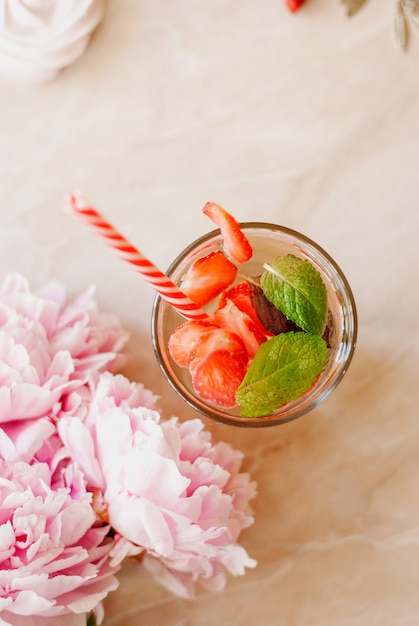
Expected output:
(29, 603)
(33, 308)
(14, 283)
(77, 439)
(24, 400)
(14, 357)
(122, 549)
(178, 583)
(7, 447)
(114, 433)
(236, 559)
(75, 521)
(151, 476)
(87, 598)
(141, 522)
(70, 619)
(60, 370)
(7, 539)
(21, 440)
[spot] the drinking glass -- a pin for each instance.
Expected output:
(268, 241)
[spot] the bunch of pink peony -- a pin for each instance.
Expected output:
(90, 473)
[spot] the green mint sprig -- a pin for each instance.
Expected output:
(282, 370)
(296, 288)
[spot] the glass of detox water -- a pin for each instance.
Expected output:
(268, 242)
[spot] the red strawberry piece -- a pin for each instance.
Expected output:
(235, 242)
(293, 5)
(218, 366)
(216, 377)
(229, 316)
(241, 295)
(208, 277)
(214, 340)
(185, 339)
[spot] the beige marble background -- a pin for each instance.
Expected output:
(309, 120)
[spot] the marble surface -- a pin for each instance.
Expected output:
(308, 120)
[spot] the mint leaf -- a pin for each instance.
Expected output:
(296, 288)
(271, 317)
(282, 370)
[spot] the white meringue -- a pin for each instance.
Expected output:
(40, 37)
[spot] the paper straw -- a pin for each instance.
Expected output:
(77, 205)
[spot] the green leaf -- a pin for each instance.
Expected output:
(282, 370)
(296, 288)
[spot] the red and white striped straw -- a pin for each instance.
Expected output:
(77, 205)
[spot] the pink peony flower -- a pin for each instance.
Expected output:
(54, 560)
(84, 451)
(49, 352)
(225, 492)
(165, 487)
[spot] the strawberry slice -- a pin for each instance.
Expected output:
(231, 317)
(208, 277)
(185, 339)
(219, 366)
(241, 295)
(235, 242)
(293, 5)
(215, 340)
(216, 377)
